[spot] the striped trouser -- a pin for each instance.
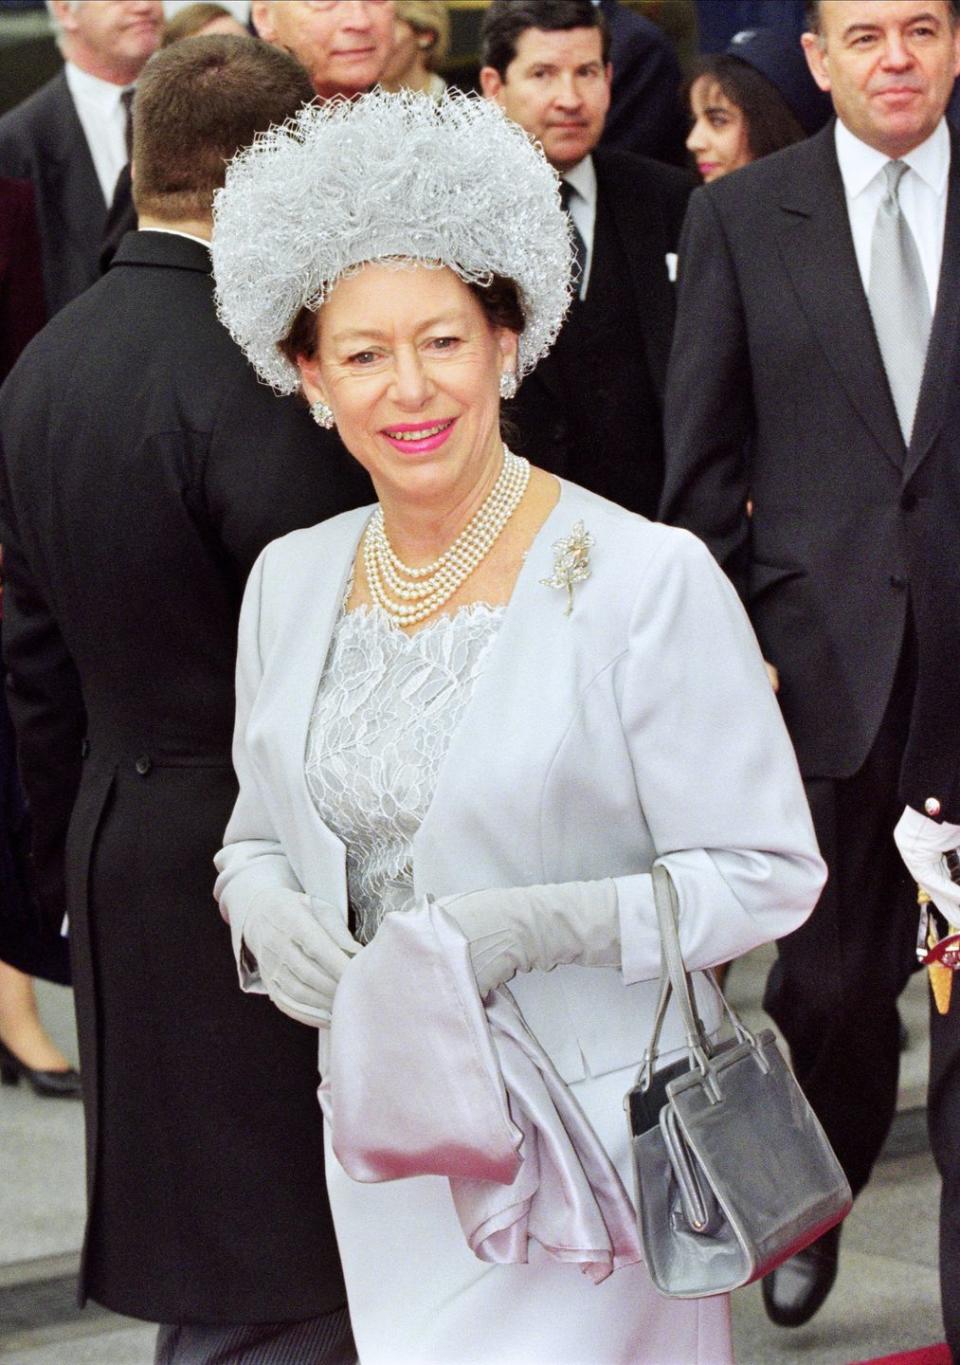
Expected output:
(327, 1340)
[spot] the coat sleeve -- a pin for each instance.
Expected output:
(715, 771)
(708, 407)
(252, 858)
(48, 713)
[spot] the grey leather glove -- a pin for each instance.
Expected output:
(527, 928)
(300, 947)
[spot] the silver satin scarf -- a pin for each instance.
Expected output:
(422, 1077)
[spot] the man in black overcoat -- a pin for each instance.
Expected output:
(815, 285)
(930, 789)
(592, 410)
(70, 137)
(144, 468)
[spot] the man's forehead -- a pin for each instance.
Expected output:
(841, 15)
(538, 42)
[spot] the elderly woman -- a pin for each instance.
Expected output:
(421, 37)
(493, 689)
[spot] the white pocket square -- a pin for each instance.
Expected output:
(672, 262)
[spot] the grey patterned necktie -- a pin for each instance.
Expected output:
(899, 300)
(579, 245)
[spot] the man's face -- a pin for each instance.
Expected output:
(111, 39)
(558, 89)
(343, 44)
(889, 66)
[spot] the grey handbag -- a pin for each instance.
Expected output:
(733, 1172)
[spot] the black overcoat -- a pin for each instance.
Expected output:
(143, 470)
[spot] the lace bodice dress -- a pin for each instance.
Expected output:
(386, 709)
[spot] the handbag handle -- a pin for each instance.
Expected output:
(675, 980)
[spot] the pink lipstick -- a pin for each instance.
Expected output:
(418, 438)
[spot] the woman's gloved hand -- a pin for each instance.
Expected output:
(300, 946)
(527, 928)
(922, 844)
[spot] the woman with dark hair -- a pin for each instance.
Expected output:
(470, 718)
(755, 98)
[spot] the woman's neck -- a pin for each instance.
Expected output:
(420, 532)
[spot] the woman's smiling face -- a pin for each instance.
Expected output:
(411, 367)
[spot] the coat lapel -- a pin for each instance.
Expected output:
(939, 376)
(818, 252)
(73, 190)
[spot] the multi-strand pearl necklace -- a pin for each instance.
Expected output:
(409, 595)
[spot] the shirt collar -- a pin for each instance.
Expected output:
(860, 163)
(583, 178)
(91, 88)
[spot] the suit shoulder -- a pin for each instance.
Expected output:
(28, 120)
(627, 171)
(629, 532)
(771, 175)
(298, 552)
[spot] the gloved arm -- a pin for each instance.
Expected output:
(295, 948)
(527, 928)
(922, 844)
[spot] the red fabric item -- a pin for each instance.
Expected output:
(929, 1355)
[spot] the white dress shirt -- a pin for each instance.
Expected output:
(583, 210)
(104, 123)
(923, 197)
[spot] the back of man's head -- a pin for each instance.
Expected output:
(197, 104)
(507, 20)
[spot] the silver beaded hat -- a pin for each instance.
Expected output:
(399, 177)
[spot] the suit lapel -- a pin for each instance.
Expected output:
(642, 237)
(68, 170)
(938, 374)
(818, 252)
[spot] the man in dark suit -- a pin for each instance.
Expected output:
(592, 410)
(144, 468)
(815, 286)
(930, 788)
(71, 138)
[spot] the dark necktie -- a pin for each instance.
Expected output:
(126, 99)
(579, 245)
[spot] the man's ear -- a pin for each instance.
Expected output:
(816, 56)
(491, 83)
(66, 16)
(263, 20)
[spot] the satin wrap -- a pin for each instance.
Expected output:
(422, 1077)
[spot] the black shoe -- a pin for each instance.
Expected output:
(797, 1289)
(63, 1085)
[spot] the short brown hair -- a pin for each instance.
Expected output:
(196, 105)
(191, 20)
(500, 301)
